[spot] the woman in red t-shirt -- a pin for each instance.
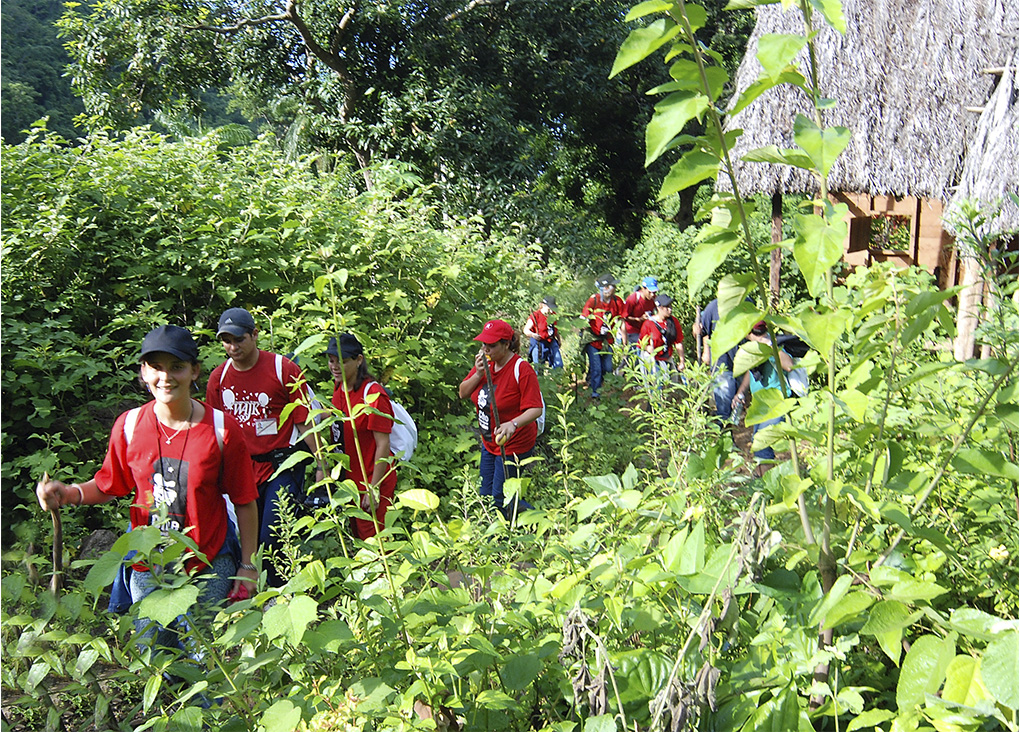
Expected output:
(518, 404)
(366, 437)
(171, 455)
(661, 338)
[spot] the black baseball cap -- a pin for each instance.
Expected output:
(663, 301)
(236, 322)
(347, 346)
(550, 301)
(604, 280)
(170, 339)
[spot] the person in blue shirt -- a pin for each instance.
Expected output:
(763, 376)
(725, 385)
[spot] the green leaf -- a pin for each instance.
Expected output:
(490, 699)
(822, 330)
(643, 42)
(419, 499)
(152, 687)
(520, 671)
(705, 261)
(1000, 668)
(688, 76)
(283, 716)
(692, 558)
(648, 7)
(165, 606)
(819, 245)
(776, 51)
(601, 723)
(772, 154)
(832, 598)
(763, 84)
(963, 682)
(734, 327)
(912, 590)
(833, 12)
(745, 4)
(849, 610)
(102, 574)
(290, 619)
(822, 146)
(694, 167)
(669, 119)
(974, 623)
(887, 621)
(924, 670)
(768, 404)
(870, 719)
(987, 463)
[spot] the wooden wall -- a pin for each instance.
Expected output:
(929, 245)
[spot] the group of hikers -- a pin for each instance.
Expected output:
(177, 456)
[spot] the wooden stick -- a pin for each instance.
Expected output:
(57, 580)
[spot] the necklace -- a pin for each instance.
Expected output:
(187, 425)
(184, 450)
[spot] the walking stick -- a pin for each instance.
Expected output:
(496, 424)
(57, 580)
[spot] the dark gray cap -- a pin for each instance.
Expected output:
(170, 339)
(236, 322)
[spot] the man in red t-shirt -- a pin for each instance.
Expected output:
(602, 309)
(255, 386)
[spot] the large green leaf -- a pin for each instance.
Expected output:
(887, 621)
(850, 609)
(924, 670)
(418, 499)
(986, 462)
(777, 51)
(688, 76)
(290, 619)
(963, 681)
(819, 245)
(824, 329)
(835, 594)
(520, 670)
(692, 556)
(165, 606)
(735, 326)
(643, 42)
(102, 574)
(772, 154)
(763, 84)
(283, 716)
(1000, 669)
(669, 119)
(822, 146)
(706, 260)
(694, 167)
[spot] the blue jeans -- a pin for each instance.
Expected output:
(724, 390)
(290, 483)
(215, 584)
(766, 453)
(600, 363)
(491, 469)
(542, 352)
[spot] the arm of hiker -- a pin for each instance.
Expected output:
(529, 329)
(381, 466)
(681, 362)
(526, 417)
(785, 360)
(706, 350)
(311, 440)
(53, 494)
(469, 384)
(248, 530)
(742, 389)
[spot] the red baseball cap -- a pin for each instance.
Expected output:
(495, 331)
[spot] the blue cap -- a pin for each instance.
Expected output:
(650, 283)
(170, 339)
(236, 322)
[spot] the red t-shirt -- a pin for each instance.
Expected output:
(256, 398)
(513, 397)
(185, 476)
(655, 334)
(600, 313)
(540, 324)
(362, 427)
(634, 307)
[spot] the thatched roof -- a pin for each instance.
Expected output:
(902, 77)
(991, 169)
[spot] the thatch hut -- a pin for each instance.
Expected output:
(907, 77)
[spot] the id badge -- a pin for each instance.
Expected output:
(265, 427)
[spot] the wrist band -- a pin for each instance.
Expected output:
(81, 494)
(249, 566)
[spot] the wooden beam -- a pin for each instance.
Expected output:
(976, 110)
(996, 70)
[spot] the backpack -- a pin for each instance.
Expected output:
(404, 437)
(540, 422)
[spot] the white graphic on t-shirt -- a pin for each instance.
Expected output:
(484, 421)
(250, 410)
(169, 495)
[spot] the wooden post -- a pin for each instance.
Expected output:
(776, 261)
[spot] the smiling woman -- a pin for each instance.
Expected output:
(171, 455)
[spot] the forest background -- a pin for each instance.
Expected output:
(415, 171)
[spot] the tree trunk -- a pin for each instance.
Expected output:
(970, 301)
(776, 261)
